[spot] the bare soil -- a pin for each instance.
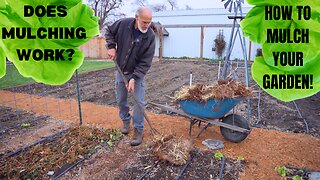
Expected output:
(203, 166)
(264, 149)
(16, 125)
(167, 77)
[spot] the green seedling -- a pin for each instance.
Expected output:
(301, 171)
(241, 158)
(116, 135)
(296, 177)
(92, 150)
(25, 125)
(218, 155)
(283, 171)
(110, 143)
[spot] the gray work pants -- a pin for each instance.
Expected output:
(122, 100)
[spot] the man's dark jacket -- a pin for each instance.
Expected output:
(120, 35)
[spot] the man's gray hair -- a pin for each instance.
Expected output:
(141, 9)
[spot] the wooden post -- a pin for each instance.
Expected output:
(161, 43)
(201, 42)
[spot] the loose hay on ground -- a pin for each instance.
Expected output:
(172, 149)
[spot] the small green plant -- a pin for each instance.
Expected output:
(116, 135)
(110, 143)
(25, 125)
(283, 171)
(296, 177)
(184, 57)
(92, 150)
(241, 158)
(218, 155)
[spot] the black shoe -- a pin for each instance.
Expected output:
(137, 138)
(125, 127)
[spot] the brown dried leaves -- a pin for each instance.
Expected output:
(223, 89)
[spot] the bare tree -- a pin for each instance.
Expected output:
(173, 4)
(105, 9)
(140, 2)
(188, 7)
(159, 7)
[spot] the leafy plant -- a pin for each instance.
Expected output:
(214, 60)
(48, 72)
(110, 143)
(116, 135)
(283, 171)
(25, 125)
(296, 177)
(255, 26)
(218, 155)
(241, 158)
(185, 57)
(92, 150)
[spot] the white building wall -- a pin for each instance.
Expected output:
(186, 41)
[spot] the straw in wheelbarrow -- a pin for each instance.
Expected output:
(172, 149)
(222, 89)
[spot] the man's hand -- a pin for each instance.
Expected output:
(111, 53)
(130, 86)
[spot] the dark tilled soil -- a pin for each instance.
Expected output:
(282, 116)
(166, 77)
(16, 125)
(202, 166)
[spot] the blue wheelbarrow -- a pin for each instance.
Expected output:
(233, 127)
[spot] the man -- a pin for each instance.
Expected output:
(132, 42)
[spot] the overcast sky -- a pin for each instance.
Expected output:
(129, 8)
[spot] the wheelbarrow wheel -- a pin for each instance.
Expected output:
(231, 135)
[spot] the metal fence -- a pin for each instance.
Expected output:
(32, 112)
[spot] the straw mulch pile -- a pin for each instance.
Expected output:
(221, 90)
(171, 149)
